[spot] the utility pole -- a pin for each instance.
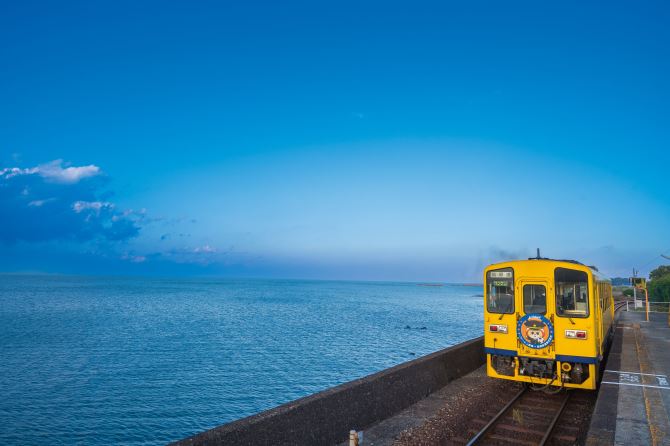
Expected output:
(646, 296)
(634, 290)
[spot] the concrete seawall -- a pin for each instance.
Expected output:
(326, 417)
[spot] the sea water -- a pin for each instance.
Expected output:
(100, 360)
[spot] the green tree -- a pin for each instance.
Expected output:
(659, 289)
(661, 271)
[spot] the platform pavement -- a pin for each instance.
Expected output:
(634, 397)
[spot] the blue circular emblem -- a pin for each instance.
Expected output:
(535, 331)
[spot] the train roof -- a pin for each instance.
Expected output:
(593, 269)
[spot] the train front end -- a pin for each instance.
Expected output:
(540, 323)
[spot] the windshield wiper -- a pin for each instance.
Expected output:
(509, 307)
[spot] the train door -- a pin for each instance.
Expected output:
(535, 330)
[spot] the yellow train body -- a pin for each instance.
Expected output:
(546, 322)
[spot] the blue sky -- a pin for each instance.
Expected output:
(381, 141)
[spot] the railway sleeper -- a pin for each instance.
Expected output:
(526, 416)
(521, 429)
(502, 439)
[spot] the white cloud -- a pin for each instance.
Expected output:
(9, 172)
(79, 206)
(54, 171)
(204, 249)
(134, 258)
(39, 203)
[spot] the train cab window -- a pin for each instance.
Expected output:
(572, 293)
(500, 291)
(534, 299)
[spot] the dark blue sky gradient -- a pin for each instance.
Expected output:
(413, 141)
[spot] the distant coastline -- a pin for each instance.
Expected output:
(443, 284)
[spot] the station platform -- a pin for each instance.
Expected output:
(634, 397)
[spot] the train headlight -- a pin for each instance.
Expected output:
(576, 334)
(498, 328)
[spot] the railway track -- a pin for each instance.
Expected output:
(619, 305)
(529, 418)
(534, 418)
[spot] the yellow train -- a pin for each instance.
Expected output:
(547, 322)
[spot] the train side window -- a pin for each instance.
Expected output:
(534, 299)
(609, 295)
(572, 292)
(601, 295)
(500, 291)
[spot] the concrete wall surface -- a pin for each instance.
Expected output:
(328, 416)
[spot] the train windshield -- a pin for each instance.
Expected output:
(534, 299)
(500, 291)
(572, 293)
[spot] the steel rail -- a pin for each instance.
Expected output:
(550, 429)
(493, 421)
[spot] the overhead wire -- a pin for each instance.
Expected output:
(655, 259)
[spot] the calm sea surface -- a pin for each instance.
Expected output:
(94, 360)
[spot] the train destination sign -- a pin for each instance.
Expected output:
(500, 274)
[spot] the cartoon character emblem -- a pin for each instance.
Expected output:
(535, 331)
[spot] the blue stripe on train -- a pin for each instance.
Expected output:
(580, 359)
(565, 358)
(500, 351)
